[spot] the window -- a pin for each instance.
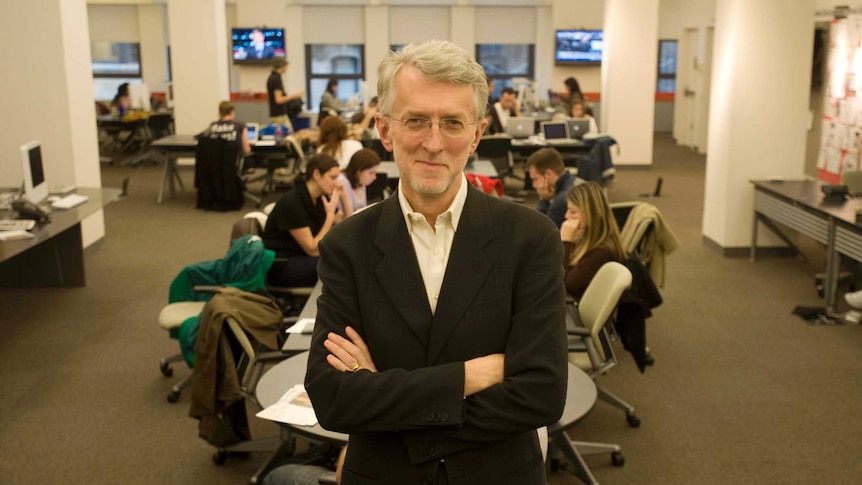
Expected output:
(344, 62)
(116, 59)
(502, 62)
(666, 66)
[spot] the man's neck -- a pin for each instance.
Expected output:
(431, 206)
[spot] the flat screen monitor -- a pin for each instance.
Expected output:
(555, 130)
(578, 47)
(139, 97)
(35, 186)
(256, 45)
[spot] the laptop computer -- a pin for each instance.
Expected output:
(253, 130)
(556, 132)
(521, 127)
(578, 127)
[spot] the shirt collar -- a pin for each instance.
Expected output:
(456, 208)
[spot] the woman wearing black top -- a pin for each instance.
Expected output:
(299, 220)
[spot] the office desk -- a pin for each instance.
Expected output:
(580, 398)
(179, 146)
(477, 167)
(800, 206)
(55, 257)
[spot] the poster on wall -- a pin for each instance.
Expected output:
(841, 141)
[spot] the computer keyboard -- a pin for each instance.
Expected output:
(16, 224)
(69, 201)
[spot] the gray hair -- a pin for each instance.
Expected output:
(437, 61)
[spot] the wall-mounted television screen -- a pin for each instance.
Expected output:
(256, 45)
(578, 47)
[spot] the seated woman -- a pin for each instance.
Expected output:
(228, 128)
(299, 220)
(121, 103)
(335, 142)
(360, 172)
(590, 236)
(579, 110)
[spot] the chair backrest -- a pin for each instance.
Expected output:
(601, 297)
(634, 231)
(497, 149)
(160, 124)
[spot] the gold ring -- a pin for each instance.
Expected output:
(355, 367)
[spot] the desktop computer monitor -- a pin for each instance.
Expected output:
(35, 186)
(139, 96)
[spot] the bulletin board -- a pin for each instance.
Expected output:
(841, 142)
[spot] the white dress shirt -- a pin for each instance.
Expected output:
(502, 114)
(433, 245)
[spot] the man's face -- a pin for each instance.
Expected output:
(540, 180)
(507, 100)
(257, 37)
(431, 163)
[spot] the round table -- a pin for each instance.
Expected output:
(580, 397)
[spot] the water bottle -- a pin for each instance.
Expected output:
(279, 135)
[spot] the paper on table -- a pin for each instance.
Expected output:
(294, 407)
(304, 325)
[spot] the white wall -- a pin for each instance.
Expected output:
(50, 95)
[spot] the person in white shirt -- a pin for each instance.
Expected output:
(505, 108)
(580, 111)
(359, 174)
(335, 141)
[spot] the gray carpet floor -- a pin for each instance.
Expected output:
(741, 392)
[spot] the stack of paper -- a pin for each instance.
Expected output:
(304, 325)
(294, 407)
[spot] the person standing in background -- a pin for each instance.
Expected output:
(276, 94)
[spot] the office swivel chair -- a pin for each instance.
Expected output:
(590, 350)
(590, 346)
(244, 266)
(497, 149)
(218, 175)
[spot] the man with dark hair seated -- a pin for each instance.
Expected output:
(551, 180)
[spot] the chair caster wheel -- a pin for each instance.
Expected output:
(649, 360)
(618, 459)
(173, 397)
(166, 369)
(220, 457)
(633, 420)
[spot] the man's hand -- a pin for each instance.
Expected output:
(482, 372)
(546, 192)
(348, 355)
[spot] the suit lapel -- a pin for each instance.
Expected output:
(398, 272)
(465, 272)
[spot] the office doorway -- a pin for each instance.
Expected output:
(691, 114)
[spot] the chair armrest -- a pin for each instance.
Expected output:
(327, 478)
(206, 288)
(579, 331)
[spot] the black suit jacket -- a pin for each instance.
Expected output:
(502, 292)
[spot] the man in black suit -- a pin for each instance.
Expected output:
(440, 341)
(258, 49)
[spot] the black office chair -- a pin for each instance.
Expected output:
(497, 149)
(377, 145)
(218, 166)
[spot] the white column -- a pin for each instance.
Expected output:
(376, 44)
(49, 85)
(629, 68)
(151, 28)
(199, 56)
(758, 108)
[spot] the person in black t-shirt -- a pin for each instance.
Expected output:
(227, 128)
(300, 219)
(275, 92)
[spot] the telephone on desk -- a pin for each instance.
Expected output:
(29, 210)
